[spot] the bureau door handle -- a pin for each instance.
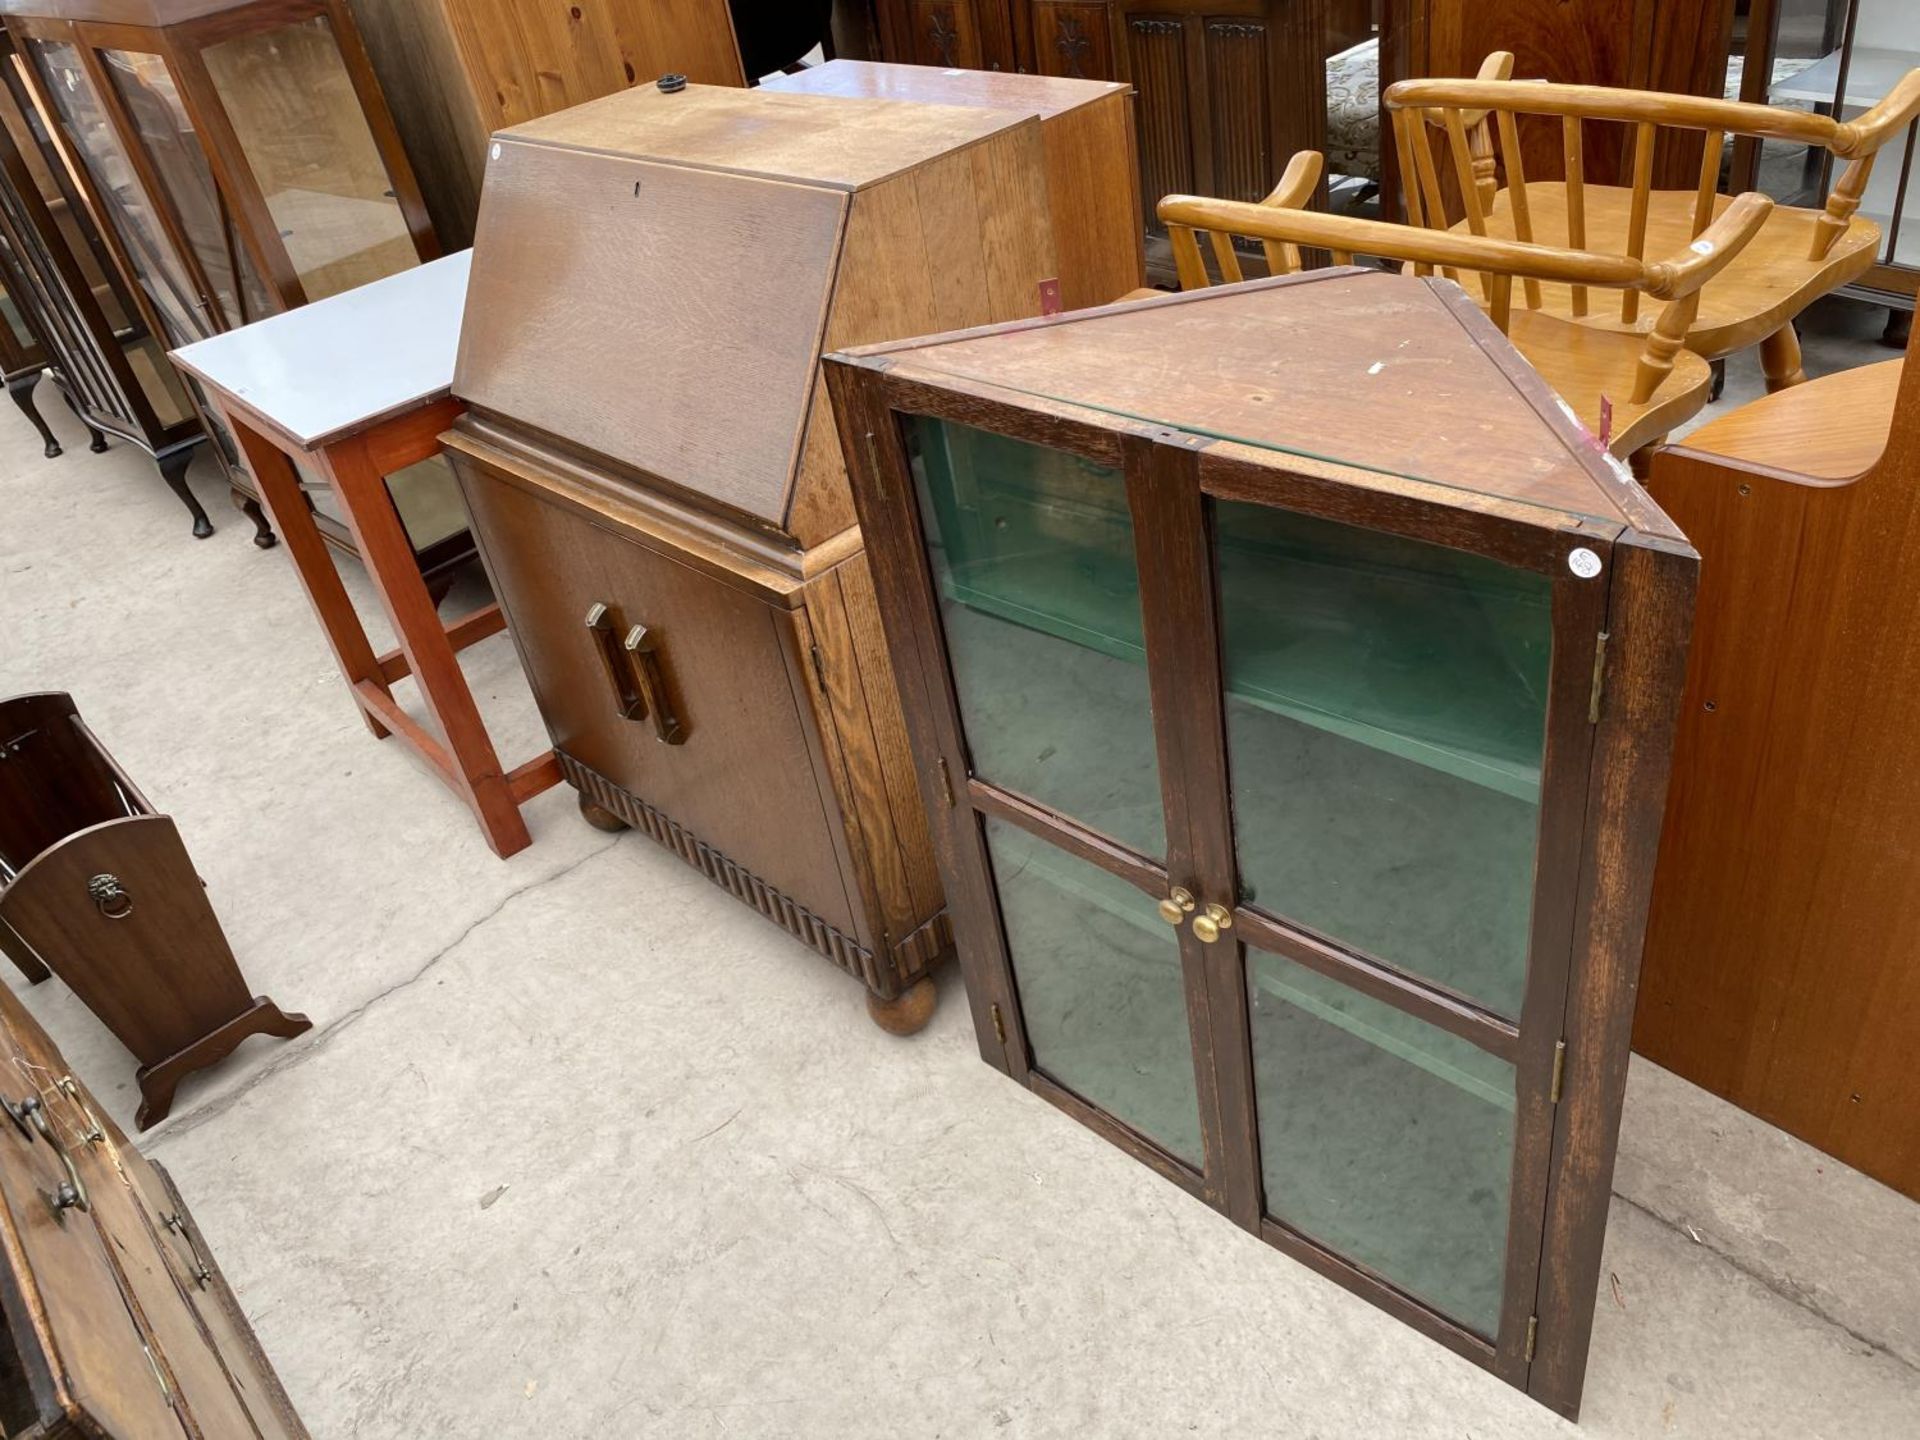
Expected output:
(629, 703)
(643, 652)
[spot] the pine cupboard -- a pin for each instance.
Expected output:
(658, 491)
(457, 70)
(1291, 684)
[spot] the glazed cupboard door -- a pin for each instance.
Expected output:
(1073, 845)
(1386, 743)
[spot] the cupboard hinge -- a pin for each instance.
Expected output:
(946, 782)
(1559, 1070)
(1533, 1335)
(819, 665)
(1599, 678)
(999, 1025)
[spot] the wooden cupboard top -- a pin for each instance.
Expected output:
(815, 140)
(342, 364)
(1380, 373)
(1043, 95)
(1827, 432)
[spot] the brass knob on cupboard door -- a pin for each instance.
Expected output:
(1207, 926)
(1177, 906)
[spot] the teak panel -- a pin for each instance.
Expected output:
(457, 70)
(1779, 969)
(1087, 127)
(1679, 46)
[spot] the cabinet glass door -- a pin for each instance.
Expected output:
(299, 121)
(1385, 719)
(1035, 572)
(157, 268)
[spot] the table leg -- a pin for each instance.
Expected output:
(280, 493)
(360, 482)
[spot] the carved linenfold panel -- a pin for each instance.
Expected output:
(946, 34)
(1157, 55)
(910, 958)
(1073, 40)
(1239, 88)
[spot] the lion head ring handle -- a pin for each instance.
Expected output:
(110, 897)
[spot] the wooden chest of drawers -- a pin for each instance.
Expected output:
(118, 1323)
(659, 492)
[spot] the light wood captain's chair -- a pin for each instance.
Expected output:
(1799, 255)
(1651, 381)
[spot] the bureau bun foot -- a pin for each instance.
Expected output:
(909, 1012)
(601, 818)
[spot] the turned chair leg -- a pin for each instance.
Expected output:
(21, 389)
(263, 535)
(173, 470)
(1780, 359)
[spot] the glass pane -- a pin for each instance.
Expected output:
(1100, 988)
(157, 270)
(172, 145)
(1032, 556)
(293, 105)
(1386, 717)
(1386, 1140)
(16, 325)
(159, 380)
(428, 499)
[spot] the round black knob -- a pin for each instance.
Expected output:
(65, 1196)
(672, 84)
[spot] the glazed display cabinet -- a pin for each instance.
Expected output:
(240, 155)
(66, 296)
(1296, 757)
(1839, 58)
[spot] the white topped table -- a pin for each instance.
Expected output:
(357, 388)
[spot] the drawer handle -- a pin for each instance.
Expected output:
(110, 897)
(643, 650)
(629, 703)
(73, 1194)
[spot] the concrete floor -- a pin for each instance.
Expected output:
(579, 1147)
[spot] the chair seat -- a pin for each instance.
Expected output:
(1585, 364)
(1764, 287)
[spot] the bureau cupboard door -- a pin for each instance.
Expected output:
(703, 726)
(1266, 836)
